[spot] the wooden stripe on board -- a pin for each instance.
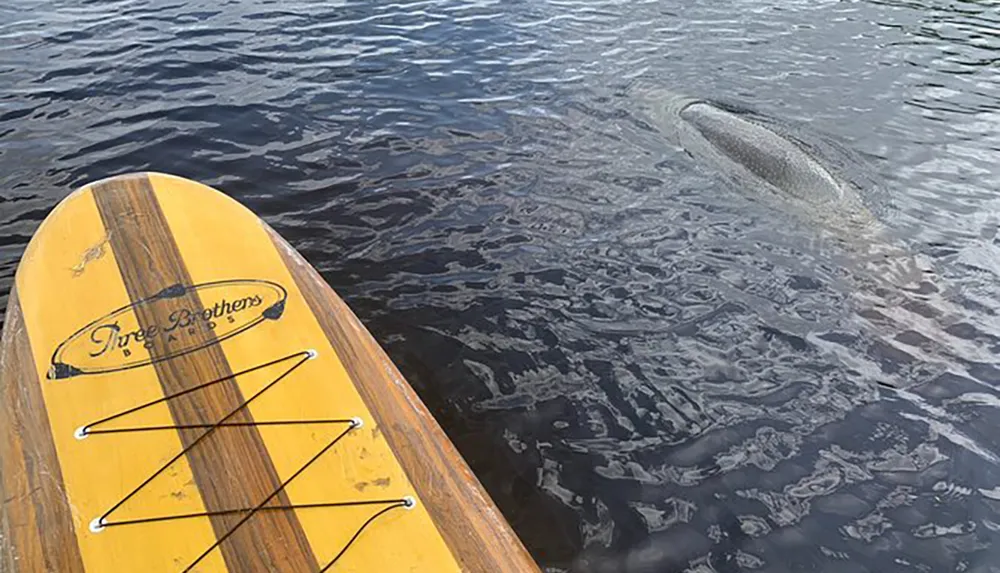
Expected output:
(36, 522)
(474, 529)
(149, 262)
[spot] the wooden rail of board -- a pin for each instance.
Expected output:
(40, 529)
(36, 526)
(473, 527)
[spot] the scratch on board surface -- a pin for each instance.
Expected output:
(91, 254)
(377, 482)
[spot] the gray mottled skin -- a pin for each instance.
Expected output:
(778, 171)
(762, 162)
(764, 153)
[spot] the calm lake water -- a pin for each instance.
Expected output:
(649, 367)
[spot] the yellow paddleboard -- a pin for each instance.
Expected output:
(180, 391)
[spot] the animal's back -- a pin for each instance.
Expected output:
(764, 153)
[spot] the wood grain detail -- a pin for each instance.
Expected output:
(231, 467)
(478, 536)
(36, 522)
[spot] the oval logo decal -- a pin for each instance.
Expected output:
(168, 324)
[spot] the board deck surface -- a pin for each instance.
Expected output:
(181, 391)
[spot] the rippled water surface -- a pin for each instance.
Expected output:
(649, 365)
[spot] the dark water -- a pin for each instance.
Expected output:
(649, 369)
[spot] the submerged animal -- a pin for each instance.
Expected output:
(762, 161)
